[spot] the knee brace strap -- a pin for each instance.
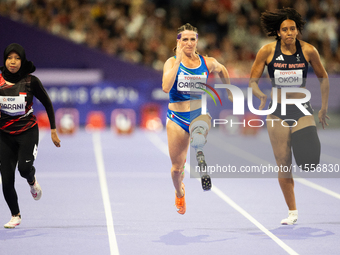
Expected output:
(199, 130)
(306, 147)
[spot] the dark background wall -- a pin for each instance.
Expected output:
(124, 85)
(49, 51)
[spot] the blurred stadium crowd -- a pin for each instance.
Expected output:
(144, 31)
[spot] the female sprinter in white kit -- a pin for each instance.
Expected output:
(185, 121)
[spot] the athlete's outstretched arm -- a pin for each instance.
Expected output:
(319, 70)
(256, 73)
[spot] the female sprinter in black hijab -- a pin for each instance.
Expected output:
(19, 133)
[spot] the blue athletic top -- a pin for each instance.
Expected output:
(187, 84)
(288, 70)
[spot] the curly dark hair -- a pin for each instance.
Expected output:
(271, 21)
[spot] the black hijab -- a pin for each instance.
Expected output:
(26, 68)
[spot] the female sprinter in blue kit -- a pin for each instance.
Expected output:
(19, 134)
(185, 122)
(287, 60)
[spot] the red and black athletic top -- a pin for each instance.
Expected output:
(16, 102)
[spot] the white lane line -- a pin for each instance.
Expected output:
(329, 140)
(330, 159)
(263, 137)
(224, 197)
(163, 148)
(317, 187)
(232, 149)
(105, 193)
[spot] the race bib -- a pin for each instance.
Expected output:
(191, 84)
(288, 78)
(14, 105)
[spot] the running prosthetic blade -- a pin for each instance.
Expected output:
(205, 178)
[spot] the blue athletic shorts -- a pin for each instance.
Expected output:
(183, 119)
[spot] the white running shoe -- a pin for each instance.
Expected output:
(292, 218)
(36, 190)
(15, 221)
